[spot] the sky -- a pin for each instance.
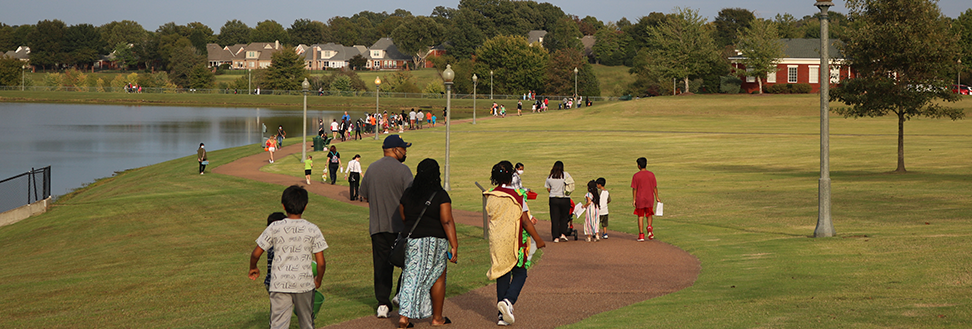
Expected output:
(152, 14)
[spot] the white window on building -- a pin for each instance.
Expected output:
(791, 74)
(376, 53)
(771, 77)
(251, 64)
(814, 74)
(252, 54)
(749, 75)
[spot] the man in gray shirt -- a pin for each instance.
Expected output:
(383, 186)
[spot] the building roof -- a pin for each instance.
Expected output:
(588, 42)
(341, 53)
(536, 36)
(22, 53)
(390, 50)
(216, 53)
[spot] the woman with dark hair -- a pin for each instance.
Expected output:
(510, 232)
(424, 276)
(333, 163)
(354, 176)
(201, 157)
(556, 184)
(592, 205)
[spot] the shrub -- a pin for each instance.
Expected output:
(789, 88)
(729, 84)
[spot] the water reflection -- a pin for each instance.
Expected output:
(86, 142)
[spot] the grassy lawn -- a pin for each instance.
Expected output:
(738, 173)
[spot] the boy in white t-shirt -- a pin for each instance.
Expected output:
(296, 243)
(605, 199)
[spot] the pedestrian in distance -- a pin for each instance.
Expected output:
(603, 210)
(333, 163)
(308, 168)
(281, 134)
(557, 185)
(201, 157)
(353, 176)
(644, 192)
(271, 146)
(296, 243)
(592, 203)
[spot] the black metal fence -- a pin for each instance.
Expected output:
(26, 188)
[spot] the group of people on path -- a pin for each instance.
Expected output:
(400, 203)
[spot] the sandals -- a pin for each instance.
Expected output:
(408, 325)
(447, 322)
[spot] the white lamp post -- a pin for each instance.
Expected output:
(575, 87)
(447, 76)
(490, 84)
(475, 80)
(377, 88)
(960, 75)
(23, 75)
(303, 145)
(249, 83)
(825, 227)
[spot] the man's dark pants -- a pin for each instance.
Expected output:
(381, 245)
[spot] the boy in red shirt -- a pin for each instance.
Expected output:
(644, 191)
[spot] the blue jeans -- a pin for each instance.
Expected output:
(509, 285)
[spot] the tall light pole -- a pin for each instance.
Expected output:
(377, 88)
(825, 227)
(303, 145)
(447, 77)
(575, 87)
(490, 84)
(959, 79)
(249, 83)
(23, 75)
(475, 80)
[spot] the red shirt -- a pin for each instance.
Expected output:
(644, 182)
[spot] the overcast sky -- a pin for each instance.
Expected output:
(152, 14)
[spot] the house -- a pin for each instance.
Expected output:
(256, 55)
(536, 36)
(800, 64)
(328, 55)
(219, 55)
(384, 55)
(22, 53)
(588, 41)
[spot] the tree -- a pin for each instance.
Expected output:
(124, 55)
(234, 32)
(760, 47)
(963, 27)
(306, 32)
(116, 32)
(270, 31)
(899, 67)
(729, 23)
(471, 31)
(357, 62)
(11, 70)
(183, 60)
(611, 46)
(517, 67)
(344, 31)
(7, 38)
(200, 35)
(286, 71)
(46, 43)
(786, 25)
(590, 25)
(201, 77)
(416, 35)
(565, 34)
(681, 46)
(83, 44)
(560, 74)
(400, 82)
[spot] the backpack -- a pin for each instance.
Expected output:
(334, 157)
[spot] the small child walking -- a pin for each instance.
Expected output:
(605, 199)
(592, 203)
(308, 168)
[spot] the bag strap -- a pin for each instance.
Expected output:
(427, 204)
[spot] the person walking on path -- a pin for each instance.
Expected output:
(308, 168)
(333, 163)
(592, 203)
(201, 157)
(510, 233)
(335, 128)
(431, 244)
(354, 176)
(556, 185)
(281, 134)
(296, 242)
(271, 146)
(644, 192)
(382, 188)
(411, 119)
(605, 197)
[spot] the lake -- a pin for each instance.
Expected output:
(85, 142)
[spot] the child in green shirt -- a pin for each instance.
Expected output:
(308, 167)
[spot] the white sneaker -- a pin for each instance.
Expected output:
(501, 322)
(506, 309)
(383, 311)
(605, 236)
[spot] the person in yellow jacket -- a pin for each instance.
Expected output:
(510, 232)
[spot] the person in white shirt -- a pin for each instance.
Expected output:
(354, 176)
(335, 128)
(605, 199)
(411, 120)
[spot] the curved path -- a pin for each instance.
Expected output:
(572, 281)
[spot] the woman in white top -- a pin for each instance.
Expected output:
(559, 202)
(354, 175)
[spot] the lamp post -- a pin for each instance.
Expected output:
(575, 87)
(825, 227)
(23, 75)
(490, 84)
(959, 78)
(249, 84)
(377, 88)
(303, 145)
(475, 80)
(447, 77)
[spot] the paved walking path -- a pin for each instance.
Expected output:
(571, 282)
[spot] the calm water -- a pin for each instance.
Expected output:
(86, 142)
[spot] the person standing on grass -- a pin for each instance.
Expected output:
(510, 232)
(333, 163)
(308, 168)
(296, 243)
(354, 176)
(201, 157)
(281, 134)
(644, 191)
(603, 209)
(382, 188)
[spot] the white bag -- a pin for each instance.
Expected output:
(659, 209)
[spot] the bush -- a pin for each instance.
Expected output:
(789, 88)
(729, 84)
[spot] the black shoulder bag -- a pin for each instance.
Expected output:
(397, 256)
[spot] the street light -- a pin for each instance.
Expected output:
(249, 84)
(377, 88)
(447, 77)
(23, 75)
(303, 146)
(959, 76)
(490, 84)
(825, 227)
(575, 87)
(475, 79)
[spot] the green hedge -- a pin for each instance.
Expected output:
(789, 88)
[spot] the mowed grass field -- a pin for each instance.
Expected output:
(162, 247)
